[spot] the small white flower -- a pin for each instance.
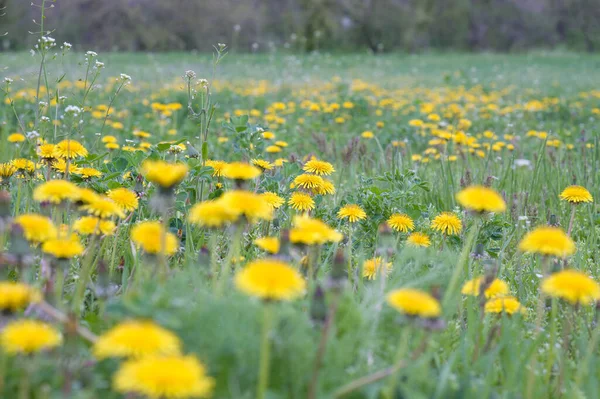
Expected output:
(67, 45)
(72, 109)
(91, 54)
(32, 135)
(32, 52)
(99, 64)
(8, 80)
(203, 83)
(45, 119)
(43, 104)
(125, 77)
(190, 75)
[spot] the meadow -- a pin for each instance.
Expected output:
(298, 226)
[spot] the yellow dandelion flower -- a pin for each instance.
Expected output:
(56, 191)
(301, 201)
(7, 170)
(87, 173)
(269, 244)
(261, 163)
(17, 296)
(63, 166)
(504, 304)
(418, 240)
(367, 135)
(109, 139)
(149, 236)
(126, 199)
(164, 174)
(307, 181)
(401, 222)
(29, 336)
(546, 240)
(211, 214)
(158, 377)
(496, 288)
(70, 149)
(447, 223)
(576, 195)
(248, 204)
(309, 231)
(23, 164)
(372, 267)
(318, 167)
(87, 225)
(36, 228)
(326, 188)
(103, 207)
(572, 286)
(272, 149)
(274, 200)
(241, 171)
(47, 151)
(352, 212)
(62, 247)
(481, 199)
(218, 167)
(15, 138)
(136, 338)
(414, 302)
(270, 279)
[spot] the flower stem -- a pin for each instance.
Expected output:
(233, 253)
(388, 393)
(265, 352)
(84, 275)
(571, 220)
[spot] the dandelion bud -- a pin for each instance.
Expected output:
(318, 306)
(338, 270)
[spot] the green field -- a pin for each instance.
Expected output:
(128, 283)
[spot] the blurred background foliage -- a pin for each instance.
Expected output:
(309, 25)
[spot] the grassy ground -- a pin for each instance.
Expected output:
(404, 133)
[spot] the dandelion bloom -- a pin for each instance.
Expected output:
(325, 188)
(29, 336)
(576, 195)
(104, 208)
(157, 377)
(367, 134)
(481, 199)
(261, 163)
(87, 173)
(547, 240)
(309, 231)
(23, 164)
(301, 201)
(63, 248)
(70, 149)
(504, 304)
(63, 167)
(374, 266)
(149, 236)
(495, 288)
(164, 174)
(87, 225)
(272, 149)
(274, 200)
(56, 191)
(47, 151)
(308, 181)
(352, 212)
(414, 302)
(36, 228)
(15, 138)
(573, 286)
(318, 167)
(241, 171)
(401, 222)
(447, 223)
(270, 279)
(136, 338)
(7, 170)
(87, 195)
(217, 166)
(418, 240)
(126, 199)
(16, 296)
(248, 204)
(269, 244)
(211, 214)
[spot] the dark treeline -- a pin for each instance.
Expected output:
(308, 25)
